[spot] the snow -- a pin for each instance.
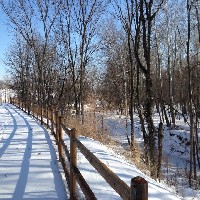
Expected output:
(28, 161)
(29, 167)
(120, 167)
(175, 150)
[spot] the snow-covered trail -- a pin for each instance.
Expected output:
(28, 161)
(29, 167)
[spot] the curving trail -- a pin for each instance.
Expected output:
(28, 162)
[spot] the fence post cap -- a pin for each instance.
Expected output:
(138, 180)
(73, 130)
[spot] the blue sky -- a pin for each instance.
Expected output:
(6, 39)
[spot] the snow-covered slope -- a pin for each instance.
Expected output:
(123, 169)
(176, 150)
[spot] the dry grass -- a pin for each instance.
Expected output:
(92, 129)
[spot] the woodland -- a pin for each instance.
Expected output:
(133, 56)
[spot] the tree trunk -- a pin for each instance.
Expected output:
(160, 139)
(131, 108)
(150, 125)
(142, 122)
(170, 76)
(192, 156)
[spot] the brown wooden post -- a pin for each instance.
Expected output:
(33, 110)
(73, 162)
(44, 111)
(139, 189)
(60, 136)
(47, 114)
(37, 112)
(28, 105)
(56, 119)
(52, 121)
(41, 111)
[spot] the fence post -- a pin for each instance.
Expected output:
(139, 189)
(73, 162)
(52, 120)
(56, 119)
(60, 136)
(33, 110)
(41, 111)
(29, 107)
(47, 115)
(37, 112)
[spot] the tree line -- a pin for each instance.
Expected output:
(133, 55)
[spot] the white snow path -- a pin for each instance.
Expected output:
(28, 161)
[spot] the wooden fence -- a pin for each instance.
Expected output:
(138, 189)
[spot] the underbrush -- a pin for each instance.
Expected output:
(92, 128)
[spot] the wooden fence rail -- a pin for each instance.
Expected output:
(138, 189)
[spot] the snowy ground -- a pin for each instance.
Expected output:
(175, 150)
(28, 161)
(29, 168)
(120, 167)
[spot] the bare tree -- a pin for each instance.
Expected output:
(145, 14)
(126, 17)
(25, 17)
(192, 147)
(87, 14)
